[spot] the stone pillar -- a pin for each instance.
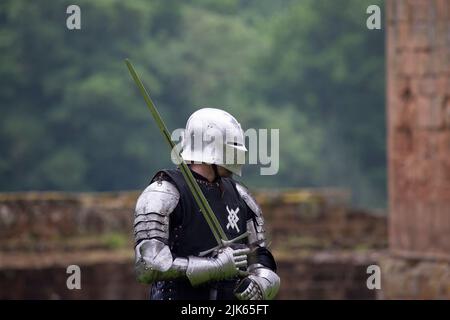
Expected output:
(418, 102)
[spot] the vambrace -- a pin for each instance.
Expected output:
(201, 270)
(225, 265)
(154, 261)
(267, 281)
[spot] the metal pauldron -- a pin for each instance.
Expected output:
(255, 226)
(152, 211)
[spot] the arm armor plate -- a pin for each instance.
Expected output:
(154, 260)
(255, 226)
(263, 275)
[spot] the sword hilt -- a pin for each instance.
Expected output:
(225, 243)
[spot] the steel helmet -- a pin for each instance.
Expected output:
(214, 136)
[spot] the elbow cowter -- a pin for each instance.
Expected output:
(153, 257)
(154, 262)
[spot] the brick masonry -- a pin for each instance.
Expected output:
(418, 96)
(322, 247)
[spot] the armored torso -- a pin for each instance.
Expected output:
(190, 233)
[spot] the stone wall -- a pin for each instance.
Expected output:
(50, 215)
(408, 278)
(322, 247)
(418, 95)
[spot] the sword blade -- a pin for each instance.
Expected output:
(197, 193)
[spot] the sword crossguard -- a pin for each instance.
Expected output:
(225, 243)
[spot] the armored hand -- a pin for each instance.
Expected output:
(261, 284)
(225, 265)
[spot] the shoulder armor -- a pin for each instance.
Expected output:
(255, 226)
(251, 202)
(152, 211)
(160, 196)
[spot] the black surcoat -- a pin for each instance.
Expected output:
(189, 233)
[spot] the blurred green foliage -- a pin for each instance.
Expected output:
(114, 240)
(72, 119)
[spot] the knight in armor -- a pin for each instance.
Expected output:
(170, 231)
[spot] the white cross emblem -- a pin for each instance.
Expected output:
(233, 218)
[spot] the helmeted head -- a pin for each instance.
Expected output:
(214, 136)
